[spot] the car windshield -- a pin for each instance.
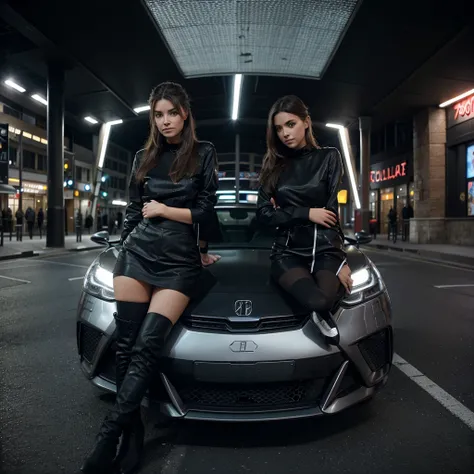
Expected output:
(239, 228)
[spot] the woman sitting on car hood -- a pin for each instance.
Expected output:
(298, 195)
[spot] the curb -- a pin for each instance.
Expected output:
(13, 256)
(35, 253)
(459, 260)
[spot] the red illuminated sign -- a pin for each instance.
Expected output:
(464, 108)
(391, 172)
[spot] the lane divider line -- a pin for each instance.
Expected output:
(15, 279)
(466, 285)
(438, 263)
(76, 278)
(448, 401)
(65, 264)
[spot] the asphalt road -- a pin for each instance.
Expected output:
(49, 413)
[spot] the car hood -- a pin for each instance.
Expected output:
(240, 275)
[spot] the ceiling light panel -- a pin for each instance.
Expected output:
(294, 38)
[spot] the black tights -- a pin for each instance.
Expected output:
(315, 293)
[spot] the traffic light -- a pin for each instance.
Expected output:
(104, 194)
(68, 182)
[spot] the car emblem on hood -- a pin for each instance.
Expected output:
(243, 346)
(243, 307)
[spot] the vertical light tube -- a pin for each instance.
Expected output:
(238, 79)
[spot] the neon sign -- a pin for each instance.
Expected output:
(389, 173)
(464, 108)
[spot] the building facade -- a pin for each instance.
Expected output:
(28, 167)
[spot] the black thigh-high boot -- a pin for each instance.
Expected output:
(325, 322)
(128, 321)
(145, 357)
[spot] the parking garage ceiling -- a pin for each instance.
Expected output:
(225, 37)
(343, 57)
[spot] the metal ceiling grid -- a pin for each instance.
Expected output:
(294, 38)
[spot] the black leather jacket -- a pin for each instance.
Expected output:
(197, 193)
(310, 180)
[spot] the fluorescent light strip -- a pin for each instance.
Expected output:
(142, 108)
(227, 197)
(115, 122)
(238, 79)
(14, 85)
(455, 99)
(119, 203)
(39, 99)
(91, 120)
(347, 158)
(103, 149)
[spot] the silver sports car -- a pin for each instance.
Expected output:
(245, 351)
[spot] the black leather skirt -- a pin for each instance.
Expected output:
(311, 247)
(162, 253)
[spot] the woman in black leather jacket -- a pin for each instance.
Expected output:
(298, 196)
(172, 191)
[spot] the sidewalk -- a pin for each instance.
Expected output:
(463, 255)
(37, 246)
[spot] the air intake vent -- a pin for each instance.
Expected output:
(89, 339)
(376, 349)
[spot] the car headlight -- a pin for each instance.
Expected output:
(99, 282)
(367, 283)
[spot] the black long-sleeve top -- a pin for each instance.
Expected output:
(311, 179)
(197, 193)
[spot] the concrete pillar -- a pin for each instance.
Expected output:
(364, 129)
(429, 169)
(55, 125)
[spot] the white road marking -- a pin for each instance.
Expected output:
(76, 278)
(5, 267)
(449, 402)
(454, 286)
(66, 264)
(15, 279)
(421, 260)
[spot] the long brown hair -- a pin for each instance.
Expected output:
(185, 162)
(277, 153)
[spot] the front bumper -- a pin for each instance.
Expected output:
(253, 377)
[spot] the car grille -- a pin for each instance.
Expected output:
(265, 324)
(89, 339)
(276, 395)
(376, 349)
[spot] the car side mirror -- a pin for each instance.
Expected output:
(363, 237)
(101, 237)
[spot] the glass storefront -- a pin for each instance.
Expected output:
(35, 195)
(381, 200)
(386, 203)
(460, 159)
(374, 204)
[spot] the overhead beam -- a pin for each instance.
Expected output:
(52, 50)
